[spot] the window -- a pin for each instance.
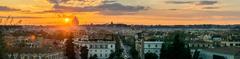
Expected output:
(101, 46)
(149, 45)
(231, 44)
(100, 55)
(105, 47)
(156, 45)
(238, 44)
(111, 46)
(25, 57)
(96, 46)
(91, 46)
(106, 55)
(190, 45)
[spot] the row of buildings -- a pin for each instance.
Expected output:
(27, 47)
(217, 49)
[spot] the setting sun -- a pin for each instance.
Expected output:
(66, 20)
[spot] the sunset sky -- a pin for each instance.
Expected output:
(147, 12)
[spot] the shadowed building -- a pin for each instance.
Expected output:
(220, 53)
(24, 48)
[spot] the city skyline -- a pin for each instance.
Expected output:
(152, 12)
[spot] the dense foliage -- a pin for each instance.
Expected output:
(151, 56)
(2, 46)
(84, 52)
(175, 49)
(93, 57)
(70, 48)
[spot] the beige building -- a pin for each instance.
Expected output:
(100, 48)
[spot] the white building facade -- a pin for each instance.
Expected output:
(152, 47)
(100, 48)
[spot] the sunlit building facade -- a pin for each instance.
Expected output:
(100, 48)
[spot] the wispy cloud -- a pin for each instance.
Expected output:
(210, 2)
(196, 5)
(106, 7)
(210, 7)
(20, 17)
(201, 2)
(5, 8)
(173, 9)
(121, 8)
(179, 2)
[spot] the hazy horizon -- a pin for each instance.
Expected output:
(140, 12)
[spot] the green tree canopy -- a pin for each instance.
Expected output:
(151, 56)
(84, 52)
(93, 57)
(2, 46)
(176, 48)
(69, 50)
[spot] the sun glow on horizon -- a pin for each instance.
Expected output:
(67, 20)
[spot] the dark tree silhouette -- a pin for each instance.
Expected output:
(93, 57)
(134, 53)
(151, 56)
(84, 52)
(176, 49)
(2, 46)
(111, 56)
(164, 51)
(70, 48)
(196, 54)
(118, 50)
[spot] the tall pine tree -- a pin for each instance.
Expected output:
(164, 51)
(196, 54)
(94, 57)
(176, 49)
(2, 46)
(151, 56)
(84, 52)
(69, 50)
